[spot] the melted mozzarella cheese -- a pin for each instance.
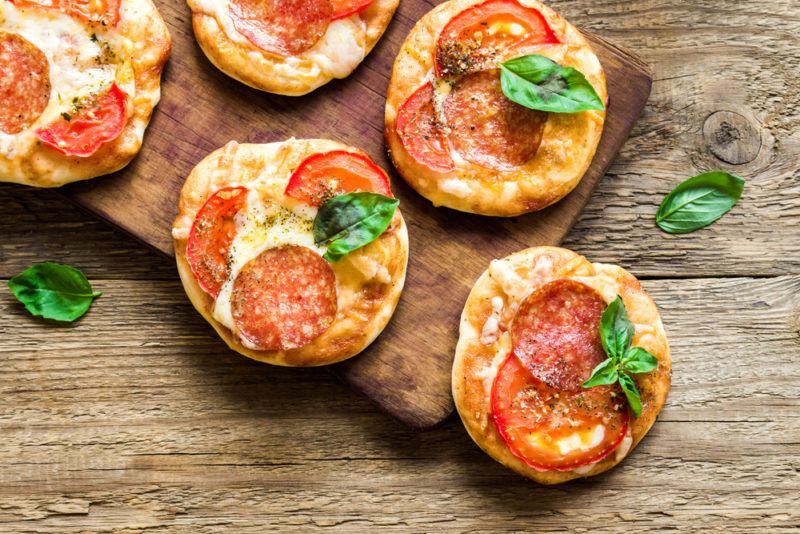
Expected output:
(81, 60)
(492, 324)
(517, 287)
(261, 226)
(336, 54)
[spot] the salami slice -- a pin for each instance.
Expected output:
(487, 128)
(556, 333)
(24, 83)
(284, 298)
(551, 429)
(421, 133)
(210, 240)
(284, 27)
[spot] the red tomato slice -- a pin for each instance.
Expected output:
(553, 430)
(105, 12)
(345, 8)
(419, 130)
(327, 174)
(212, 233)
(98, 121)
(481, 35)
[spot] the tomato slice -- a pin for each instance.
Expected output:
(480, 36)
(420, 132)
(345, 8)
(99, 120)
(553, 430)
(105, 12)
(327, 174)
(211, 236)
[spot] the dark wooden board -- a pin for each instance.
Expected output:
(407, 370)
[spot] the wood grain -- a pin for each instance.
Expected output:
(407, 370)
(155, 425)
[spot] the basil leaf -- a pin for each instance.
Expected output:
(350, 221)
(538, 82)
(638, 360)
(616, 330)
(629, 387)
(53, 291)
(604, 374)
(699, 201)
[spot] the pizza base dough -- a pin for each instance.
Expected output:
(568, 144)
(369, 280)
(36, 164)
(477, 359)
(291, 76)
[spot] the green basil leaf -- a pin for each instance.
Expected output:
(616, 330)
(629, 387)
(537, 82)
(699, 201)
(638, 360)
(604, 374)
(350, 221)
(53, 291)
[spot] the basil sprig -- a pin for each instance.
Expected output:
(348, 222)
(538, 82)
(53, 291)
(616, 334)
(699, 201)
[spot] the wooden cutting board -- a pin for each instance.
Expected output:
(407, 370)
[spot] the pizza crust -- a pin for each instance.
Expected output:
(478, 358)
(291, 76)
(34, 163)
(369, 280)
(568, 144)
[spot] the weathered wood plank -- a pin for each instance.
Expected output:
(138, 417)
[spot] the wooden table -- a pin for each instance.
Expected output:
(138, 418)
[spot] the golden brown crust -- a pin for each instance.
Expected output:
(477, 360)
(240, 59)
(369, 280)
(36, 164)
(569, 140)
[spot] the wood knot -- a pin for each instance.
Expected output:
(732, 137)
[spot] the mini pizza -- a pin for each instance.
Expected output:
(293, 251)
(455, 136)
(561, 366)
(78, 83)
(289, 47)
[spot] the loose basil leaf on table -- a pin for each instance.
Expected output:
(53, 291)
(616, 335)
(537, 82)
(699, 201)
(348, 222)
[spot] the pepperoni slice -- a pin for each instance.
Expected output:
(97, 120)
(483, 34)
(345, 8)
(556, 333)
(486, 127)
(212, 233)
(556, 430)
(284, 298)
(24, 83)
(284, 27)
(327, 174)
(421, 133)
(105, 12)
